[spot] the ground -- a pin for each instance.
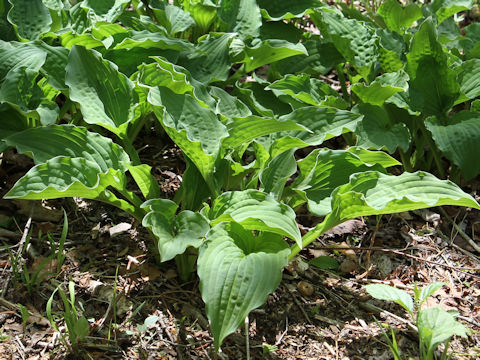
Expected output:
(138, 309)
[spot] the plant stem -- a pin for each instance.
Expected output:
(127, 144)
(433, 148)
(407, 165)
(343, 83)
(311, 236)
(130, 196)
(247, 339)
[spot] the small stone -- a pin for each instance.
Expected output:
(305, 288)
(118, 229)
(348, 266)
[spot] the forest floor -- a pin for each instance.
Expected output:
(138, 309)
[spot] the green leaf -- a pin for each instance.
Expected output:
(173, 18)
(427, 291)
(262, 101)
(71, 141)
(146, 182)
(436, 326)
(277, 172)
(389, 293)
(174, 233)
(397, 17)
(149, 40)
(433, 85)
(65, 177)
(228, 105)
(237, 272)
(203, 12)
(279, 10)
(469, 78)
(378, 131)
(374, 193)
(269, 51)
(382, 88)
(325, 263)
(106, 10)
(446, 8)
(304, 88)
(240, 16)
(106, 96)
(323, 122)
(374, 157)
(15, 55)
(20, 89)
(354, 40)
(30, 18)
(255, 210)
(243, 130)
(322, 171)
(210, 60)
(459, 140)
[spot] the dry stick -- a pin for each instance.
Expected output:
(299, 305)
(403, 254)
(26, 230)
(460, 231)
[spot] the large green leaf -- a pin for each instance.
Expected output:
(243, 130)
(255, 210)
(382, 88)
(354, 40)
(389, 293)
(72, 141)
(397, 17)
(469, 78)
(147, 184)
(14, 55)
(30, 18)
(459, 140)
(322, 171)
(106, 10)
(240, 16)
(268, 51)
(210, 60)
(277, 172)
(279, 10)
(174, 233)
(304, 88)
(106, 96)
(149, 40)
(378, 131)
(263, 102)
(228, 105)
(374, 193)
(172, 17)
(20, 89)
(446, 8)
(65, 177)
(433, 85)
(237, 272)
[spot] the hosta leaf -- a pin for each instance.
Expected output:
(173, 18)
(237, 272)
(203, 12)
(459, 140)
(146, 182)
(433, 85)
(14, 55)
(376, 131)
(179, 115)
(469, 78)
(280, 30)
(174, 233)
(12, 122)
(397, 17)
(243, 130)
(323, 122)
(262, 101)
(269, 51)
(353, 39)
(106, 96)
(106, 10)
(148, 40)
(54, 65)
(20, 89)
(278, 10)
(374, 193)
(70, 39)
(374, 157)
(389, 293)
(446, 8)
(30, 18)
(391, 50)
(436, 326)
(65, 177)
(210, 60)
(255, 210)
(304, 88)
(228, 105)
(322, 171)
(277, 172)
(240, 16)
(71, 141)
(382, 88)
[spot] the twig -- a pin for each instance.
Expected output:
(299, 305)
(460, 231)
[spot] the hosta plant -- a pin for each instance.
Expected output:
(88, 78)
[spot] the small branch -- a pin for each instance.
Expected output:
(470, 241)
